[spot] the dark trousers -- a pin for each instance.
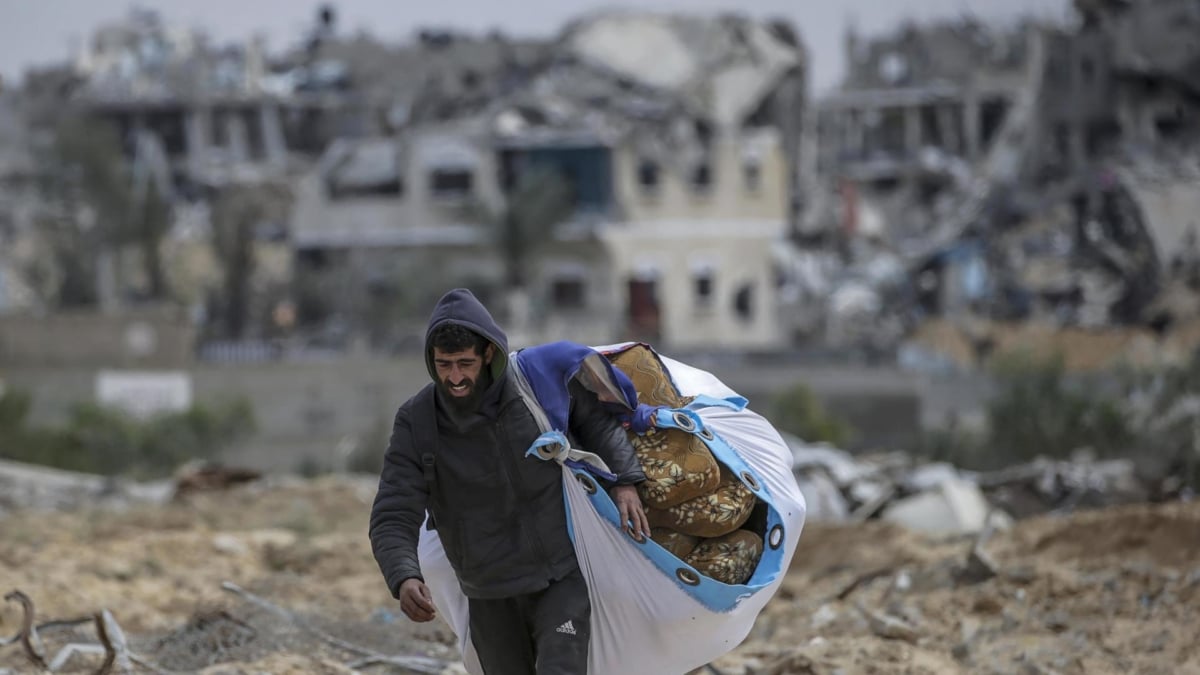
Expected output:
(546, 633)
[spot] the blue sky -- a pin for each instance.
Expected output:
(40, 31)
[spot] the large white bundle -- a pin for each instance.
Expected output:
(652, 613)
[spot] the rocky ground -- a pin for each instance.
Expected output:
(1106, 591)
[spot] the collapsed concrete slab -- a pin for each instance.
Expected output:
(824, 501)
(955, 506)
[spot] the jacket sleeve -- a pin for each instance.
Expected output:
(399, 508)
(597, 430)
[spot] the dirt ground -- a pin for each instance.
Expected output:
(1109, 591)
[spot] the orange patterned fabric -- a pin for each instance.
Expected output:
(730, 559)
(645, 369)
(677, 544)
(695, 505)
(678, 465)
(712, 515)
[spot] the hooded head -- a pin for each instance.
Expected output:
(460, 378)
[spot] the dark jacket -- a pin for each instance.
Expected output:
(500, 514)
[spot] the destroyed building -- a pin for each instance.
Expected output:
(678, 176)
(675, 140)
(380, 224)
(17, 203)
(210, 106)
(385, 219)
(1036, 172)
(702, 149)
(187, 120)
(914, 102)
(198, 121)
(1145, 55)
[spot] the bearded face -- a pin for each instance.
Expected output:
(459, 375)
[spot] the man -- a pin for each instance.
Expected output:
(458, 451)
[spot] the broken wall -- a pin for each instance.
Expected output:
(1170, 207)
(739, 177)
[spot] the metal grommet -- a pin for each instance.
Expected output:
(706, 434)
(549, 451)
(687, 576)
(589, 485)
(684, 422)
(750, 481)
(775, 537)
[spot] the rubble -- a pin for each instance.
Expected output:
(1030, 172)
(952, 506)
(980, 566)
(26, 486)
(1125, 577)
(1045, 485)
(941, 498)
(890, 627)
(1023, 173)
(203, 476)
(822, 498)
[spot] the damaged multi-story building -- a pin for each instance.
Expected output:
(1023, 171)
(187, 120)
(695, 122)
(17, 205)
(383, 220)
(636, 177)
(229, 132)
(680, 180)
(1127, 129)
(915, 102)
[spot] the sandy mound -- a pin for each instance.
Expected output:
(1112, 591)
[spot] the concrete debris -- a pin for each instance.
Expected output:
(953, 506)
(929, 476)
(870, 507)
(728, 66)
(26, 486)
(1092, 566)
(1017, 174)
(890, 627)
(941, 498)
(1065, 194)
(825, 615)
(228, 544)
(864, 491)
(1044, 485)
(838, 464)
(823, 501)
(980, 566)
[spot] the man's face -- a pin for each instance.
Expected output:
(458, 372)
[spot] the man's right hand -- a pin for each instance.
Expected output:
(416, 601)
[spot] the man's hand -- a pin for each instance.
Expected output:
(629, 508)
(416, 601)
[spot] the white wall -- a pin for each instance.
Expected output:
(364, 217)
(738, 253)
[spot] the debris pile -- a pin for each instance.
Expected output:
(940, 498)
(1106, 591)
(1026, 173)
(27, 486)
(278, 577)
